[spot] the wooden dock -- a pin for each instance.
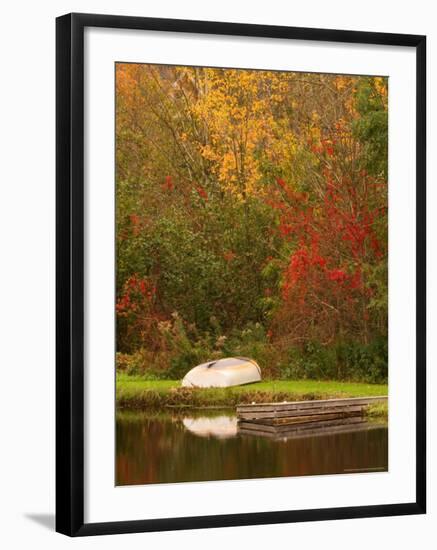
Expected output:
(288, 414)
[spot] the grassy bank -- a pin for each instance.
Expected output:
(138, 393)
(377, 412)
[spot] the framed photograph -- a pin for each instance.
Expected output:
(240, 274)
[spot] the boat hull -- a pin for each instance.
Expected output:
(223, 374)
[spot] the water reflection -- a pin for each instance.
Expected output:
(312, 429)
(169, 448)
(219, 426)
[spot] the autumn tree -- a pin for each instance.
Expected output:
(250, 197)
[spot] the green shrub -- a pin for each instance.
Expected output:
(365, 362)
(186, 348)
(344, 361)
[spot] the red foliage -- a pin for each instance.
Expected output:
(229, 255)
(333, 237)
(138, 314)
(137, 294)
(168, 184)
(337, 275)
(201, 192)
(135, 223)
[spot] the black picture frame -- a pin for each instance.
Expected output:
(70, 273)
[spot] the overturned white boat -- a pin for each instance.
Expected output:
(232, 371)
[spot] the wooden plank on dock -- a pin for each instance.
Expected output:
(289, 423)
(297, 405)
(301, 420)
(250, 415)
(305, 412)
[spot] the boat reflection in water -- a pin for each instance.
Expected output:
(218, 426)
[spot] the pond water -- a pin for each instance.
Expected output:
(169, 448)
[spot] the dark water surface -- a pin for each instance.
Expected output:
(169, 448)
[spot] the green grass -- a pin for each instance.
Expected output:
(135, 392)
(376, 412)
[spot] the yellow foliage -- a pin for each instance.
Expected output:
(238, 114)
(230, 130)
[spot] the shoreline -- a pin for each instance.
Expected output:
(135, 393)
